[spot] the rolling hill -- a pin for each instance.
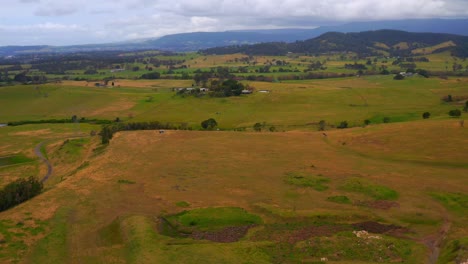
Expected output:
(392, 42)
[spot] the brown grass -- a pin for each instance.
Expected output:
(247, 170)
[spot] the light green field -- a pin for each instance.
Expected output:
(288, 105)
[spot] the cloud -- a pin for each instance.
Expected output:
(44, 27)
(115, 20)
(56, 10)
(322, 9)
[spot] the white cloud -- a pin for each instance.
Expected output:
(113, 20)
(52, 9)
(43, 27)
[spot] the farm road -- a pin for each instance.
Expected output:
(37, 151)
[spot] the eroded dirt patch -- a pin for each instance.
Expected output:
(226, 235)
(380, 204)
(378, 228)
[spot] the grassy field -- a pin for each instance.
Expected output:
(392, 191)
(389, 182)
(288, 105)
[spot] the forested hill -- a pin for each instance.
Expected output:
(380, 42)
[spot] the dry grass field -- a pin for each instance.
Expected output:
(405, 183)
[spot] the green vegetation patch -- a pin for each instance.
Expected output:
(183, 204)
(456, 202)
(353, 248)
(111, 234)
(339, 199)
(14, 159)
(74, 147)
(126, 182)
(53, 248)
(378, 192)
(210, 219)
(316, 182)
(455, 251)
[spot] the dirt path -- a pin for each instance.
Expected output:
(37, 151)
(434, 241)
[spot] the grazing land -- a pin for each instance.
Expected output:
(296, 170)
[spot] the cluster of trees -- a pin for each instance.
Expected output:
(209, 124)
(108, 131)
(19, 191)
(151, 75)
(227, 88)
(355, 66)
(219, 88)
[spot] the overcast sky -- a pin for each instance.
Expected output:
(65, 22)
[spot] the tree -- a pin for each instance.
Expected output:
(257, 127)
(455, 113)
(343, 124)
(322, 125)
(151, 75)
(426, 115)
(366, 122)
(466, 107)
(209, 123)
(398, 77)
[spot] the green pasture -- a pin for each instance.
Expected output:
(288, 105)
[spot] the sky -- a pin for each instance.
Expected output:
(69, 22)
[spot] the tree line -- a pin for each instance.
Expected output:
(108, 131)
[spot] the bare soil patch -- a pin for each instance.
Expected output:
(225, 235)
(314, 231)
(378, 228)
(379, 204)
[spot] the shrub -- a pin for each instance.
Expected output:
(398, 77)
(386, 119)
(343, 124)
(257, 127)
(209, 123)
(426, 115)
(19, 191)
(455, 113)
(322, 125)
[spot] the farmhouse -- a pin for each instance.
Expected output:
(264, 91)
(246, 91)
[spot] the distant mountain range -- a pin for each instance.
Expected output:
(204, 40)
(367, 43)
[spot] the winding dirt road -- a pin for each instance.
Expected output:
(37, 151)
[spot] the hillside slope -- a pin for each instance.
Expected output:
(365, 43)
